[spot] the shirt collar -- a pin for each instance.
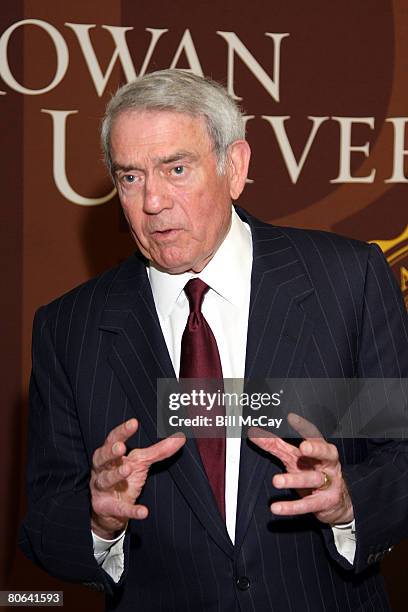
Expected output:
(228, 272)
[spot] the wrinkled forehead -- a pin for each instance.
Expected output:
(158, 133)
(140, 120)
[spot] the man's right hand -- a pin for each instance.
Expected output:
(117, 479)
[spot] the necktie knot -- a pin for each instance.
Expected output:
(195, 291)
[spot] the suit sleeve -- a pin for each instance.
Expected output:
(379, 485)
(56, 533)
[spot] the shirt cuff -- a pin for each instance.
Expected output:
(109, 554)
(345, 540)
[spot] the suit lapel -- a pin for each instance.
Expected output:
(139, 357)
(278, 334)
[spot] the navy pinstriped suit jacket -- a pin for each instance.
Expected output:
(321, 306)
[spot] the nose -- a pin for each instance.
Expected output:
(156, 197)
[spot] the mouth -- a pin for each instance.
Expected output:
(166, 233)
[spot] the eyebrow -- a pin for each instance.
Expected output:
(170, 159)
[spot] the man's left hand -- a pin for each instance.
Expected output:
(313, 469)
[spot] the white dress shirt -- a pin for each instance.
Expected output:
(226, 309)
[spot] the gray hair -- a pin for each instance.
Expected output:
(182, 92)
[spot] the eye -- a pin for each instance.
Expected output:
(129, 179)
(178, 170)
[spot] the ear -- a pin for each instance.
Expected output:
(238, 156)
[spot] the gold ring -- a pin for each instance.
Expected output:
(327, 482)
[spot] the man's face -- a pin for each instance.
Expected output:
(177, 205)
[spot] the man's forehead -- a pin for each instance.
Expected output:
(156, 120)
(161, 135)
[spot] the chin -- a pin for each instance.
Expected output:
(173, 263)
(171, 267)
(177, 262)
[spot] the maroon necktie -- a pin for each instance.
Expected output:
(200, 359)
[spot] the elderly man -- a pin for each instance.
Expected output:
(219, 524)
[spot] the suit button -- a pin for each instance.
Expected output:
(243, 583)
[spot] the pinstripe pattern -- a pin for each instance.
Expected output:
(321, 306)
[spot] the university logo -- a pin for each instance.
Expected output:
(396, 251)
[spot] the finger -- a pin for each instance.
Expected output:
(305, 428)
(106, 479)
(308, 479)
(255, 433)
(114, 445)
(119, 509)
(287, 453)
(309, 504)
(108, 457)
(159, 451)
(319, 449)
